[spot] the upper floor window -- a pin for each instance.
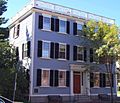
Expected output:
(62, 26)
(79, 28)
(62, 51)
(80, 53)
(46, 23)
(45, 77)
(46, 49)
(16, 31)
(62, 78)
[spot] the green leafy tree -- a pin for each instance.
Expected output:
(104, 38)
(3, 8)
(6, 70)
(9, 65)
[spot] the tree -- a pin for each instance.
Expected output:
(3, 8)
(104, 38)
(8, 64)
(8, 69)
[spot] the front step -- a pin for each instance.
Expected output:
(82, 99)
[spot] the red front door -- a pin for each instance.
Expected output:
(76, 83)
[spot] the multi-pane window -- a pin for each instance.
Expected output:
(62, 50)
(45, 78)
(80, 53)
(108, 77)
(16, 31)
(46, 23)
(46, 50)
(79, 28)
(25, 50)
(62, 26)
(62, 78)
(96, 79)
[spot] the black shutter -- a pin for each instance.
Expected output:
(101, 79)
(74, 52)
(74, 28)
(104, 80)
(39, 53)
(28, 48)
(52, 24)
(85, 54)
(56, 78)
(68, 52)
(91, 54)
(51, 78)
(40, 22)
(18, 29)
(57, 25)
(68, 27)
(67, 78)
(112, 80)
(91, 80)
(52, 50)
(17, 53)
(22, 51)
(38, 77)
(56, 50)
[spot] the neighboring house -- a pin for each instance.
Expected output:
(61, 62)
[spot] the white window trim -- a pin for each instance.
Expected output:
(65, 77)
(48, 16)
(63, 19)
(65, 51)
(15, 31)
(43, 47)
(48, 77)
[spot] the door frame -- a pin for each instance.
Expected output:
(71, 85)
(77, 73)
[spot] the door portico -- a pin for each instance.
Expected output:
(79, 80)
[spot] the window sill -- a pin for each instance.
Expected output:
(46, 30)
(45, 86)
(107, 87)
(62, 59)
(64, 33)
(80, 61)
(47, 58)
(96, 87)
(62, 87)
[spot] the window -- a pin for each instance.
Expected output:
(108, 77)
(96, 79)
(16, 31)
(62, 50)
(46, 50)
(80, 53)
(45, 78)
(79, 28)
(62, 79)
(25, 50)
(62, 26)
(46, 23)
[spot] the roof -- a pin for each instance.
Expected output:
(42, 5)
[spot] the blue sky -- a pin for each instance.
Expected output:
(107, 8)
